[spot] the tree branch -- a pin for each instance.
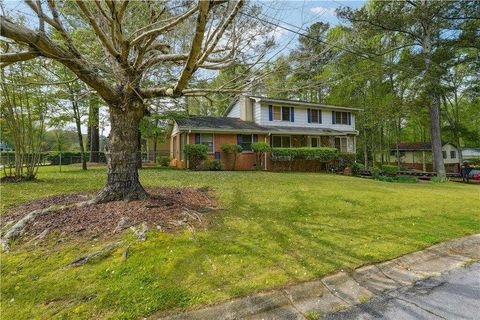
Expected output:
(101, 35)
(8, 58)
(189, 68)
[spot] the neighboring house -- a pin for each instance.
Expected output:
(471, 153)
(418, 155)
(278, 122)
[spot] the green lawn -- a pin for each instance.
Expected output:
(278, 228)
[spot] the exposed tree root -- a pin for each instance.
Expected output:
(141, 233)
(17, 229)
(105, 251)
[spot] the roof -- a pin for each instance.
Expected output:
(406, 146)
(218, 124)
(301, 102)
(228, 124)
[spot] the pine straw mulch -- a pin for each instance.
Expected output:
(168, 209)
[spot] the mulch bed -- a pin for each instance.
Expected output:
(168, 209)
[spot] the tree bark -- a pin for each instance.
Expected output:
(76, 115)
(436, 138)
(93, 129)
(122, 154)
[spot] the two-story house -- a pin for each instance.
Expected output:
(278, 122)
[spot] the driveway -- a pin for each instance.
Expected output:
(453, 295)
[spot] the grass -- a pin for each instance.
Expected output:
(278, 228)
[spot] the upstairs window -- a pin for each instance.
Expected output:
(453, 155)
(340, 117)
(444, 153)
(314, 116)
(281, 113)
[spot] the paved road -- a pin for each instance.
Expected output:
(454, 295)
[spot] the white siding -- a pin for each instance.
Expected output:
(301, 120)
(257, 112)
(235, 111)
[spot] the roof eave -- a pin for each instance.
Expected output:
(302, 103)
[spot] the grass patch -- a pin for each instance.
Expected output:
(278, 228)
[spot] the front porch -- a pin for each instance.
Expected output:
(344, 143)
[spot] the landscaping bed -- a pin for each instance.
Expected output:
(166, 210)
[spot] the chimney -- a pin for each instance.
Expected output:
(246, 107)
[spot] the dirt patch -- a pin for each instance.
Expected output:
(167, 210)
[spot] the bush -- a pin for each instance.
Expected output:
(196, 153)
(396, 179)
(346, 159)
(231, 150)
(164, 161)
(390, 170)
(357, 168)
(375, 172)
(214, 165)
(260, 148)
(322, 154)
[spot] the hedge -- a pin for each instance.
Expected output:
(196, 153)
(323, 154)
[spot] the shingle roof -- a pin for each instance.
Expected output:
(219, 124)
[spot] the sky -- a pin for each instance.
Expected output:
(301, 14)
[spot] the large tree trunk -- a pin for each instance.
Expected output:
(93, 130)
(436, 138)
(122, 155)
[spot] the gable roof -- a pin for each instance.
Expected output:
(412, 146)
(218, 124)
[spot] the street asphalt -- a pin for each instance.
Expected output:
(453, 295)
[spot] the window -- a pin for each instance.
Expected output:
(207, 139)
(444, 153)
(281, 113)
(453, 154)
(281, 141)
(315, 115)
(277, 113)
(341, 144)
(245, 140)
(314, 142)
(285, 114)
(341, 117)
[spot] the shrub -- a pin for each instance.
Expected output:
(231, 150)
(357, 168)
(375, 172)
(346, 159)
(321, 153)
(214, 165)
(164, 161)
(196, 153)
(260, 148)
(390, 170)
(396, 179)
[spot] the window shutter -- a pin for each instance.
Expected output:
(292, 114)
(349, 118)
(333, 117)
(270, 113)
(309, 115)
(239, 139)
(255, 137)
(319, 116)
(197, 138)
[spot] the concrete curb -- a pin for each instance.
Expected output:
(343, 290)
